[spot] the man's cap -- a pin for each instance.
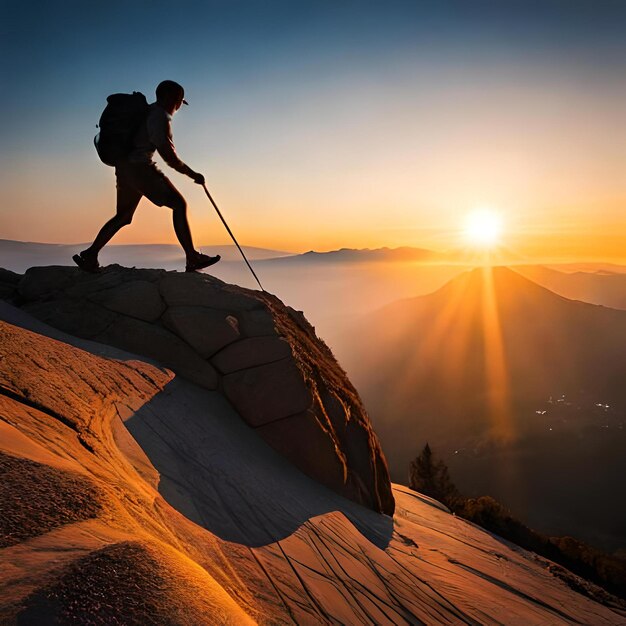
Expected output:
(168, 86)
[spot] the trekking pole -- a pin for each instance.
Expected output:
(230, 232)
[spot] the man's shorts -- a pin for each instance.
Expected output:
(135, 180)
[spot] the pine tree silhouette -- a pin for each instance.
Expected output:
(432, 478)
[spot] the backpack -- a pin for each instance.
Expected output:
(118, 125)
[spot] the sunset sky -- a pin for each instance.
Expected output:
(322, 125)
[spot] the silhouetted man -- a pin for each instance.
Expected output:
(138, 175)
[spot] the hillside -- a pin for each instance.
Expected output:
(150, 501)
(547, 344)
(495, 370)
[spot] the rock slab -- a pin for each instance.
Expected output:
(263, 356)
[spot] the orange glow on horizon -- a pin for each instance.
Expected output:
(591, 230)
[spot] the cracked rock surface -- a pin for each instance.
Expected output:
(263, 356)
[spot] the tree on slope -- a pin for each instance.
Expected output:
(430, 476)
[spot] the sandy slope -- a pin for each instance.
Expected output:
(212, 526)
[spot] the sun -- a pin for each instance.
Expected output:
(483, 228)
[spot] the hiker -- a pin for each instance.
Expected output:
(138, 175)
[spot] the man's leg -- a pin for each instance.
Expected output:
(127, 201)
(181, 225)
(194, 260)
(160, 190)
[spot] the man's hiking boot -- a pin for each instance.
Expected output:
(87, 262)
(201, 261)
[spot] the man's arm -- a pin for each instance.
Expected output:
(160, 134)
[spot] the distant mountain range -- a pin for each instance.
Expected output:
(328, 285)
(598, 287)
(351, 255)
(492, 366)
(18, 256)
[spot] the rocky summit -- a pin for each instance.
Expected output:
(263, 356)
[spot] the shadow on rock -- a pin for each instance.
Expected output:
(219, 473)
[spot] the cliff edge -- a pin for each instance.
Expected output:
(263, 356)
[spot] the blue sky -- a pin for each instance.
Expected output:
(295, 99)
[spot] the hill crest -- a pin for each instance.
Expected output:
(263, 356)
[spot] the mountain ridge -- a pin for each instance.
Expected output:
(404, 253)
